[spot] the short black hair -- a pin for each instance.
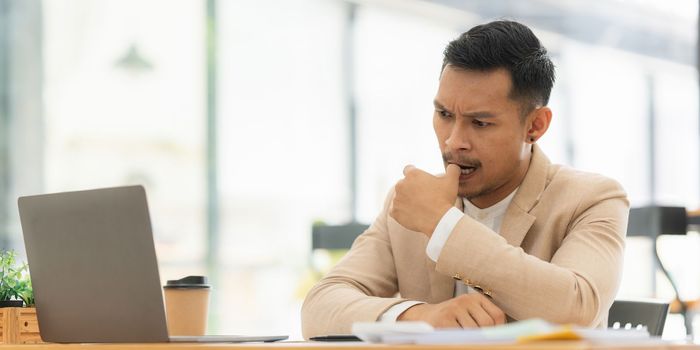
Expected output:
(510, 45)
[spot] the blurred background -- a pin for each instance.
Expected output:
(248, 121)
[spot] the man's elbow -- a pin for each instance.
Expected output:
(585, 312)
(311, 326)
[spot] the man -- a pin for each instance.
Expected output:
(503, 234)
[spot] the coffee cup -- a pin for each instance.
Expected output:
(187, 305)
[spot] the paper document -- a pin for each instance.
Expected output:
(521, 331)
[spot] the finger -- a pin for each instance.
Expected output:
(452, 172)
(498, 316)
(407, 169)
(465, 320)
(480, 316)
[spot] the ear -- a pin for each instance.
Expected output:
(537, 123)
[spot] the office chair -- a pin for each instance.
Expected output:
(631, 314)
(654, 221)
(334, 237)
(329, 243)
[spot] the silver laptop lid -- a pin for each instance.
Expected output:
(93, 266)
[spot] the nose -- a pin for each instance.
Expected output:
(458, 139)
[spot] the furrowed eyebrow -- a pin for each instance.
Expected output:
(478, 115)
(475, 115)
(439, 106)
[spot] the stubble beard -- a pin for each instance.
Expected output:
(465, 193)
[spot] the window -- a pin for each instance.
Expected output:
(106, 93)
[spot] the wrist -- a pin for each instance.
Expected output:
(443, 209)
(411, 314)
(439, 213)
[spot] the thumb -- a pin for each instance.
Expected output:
(407, 169)
(452, 172)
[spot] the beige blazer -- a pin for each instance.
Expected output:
(558, 257)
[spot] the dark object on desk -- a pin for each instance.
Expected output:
(651, 314)
(333, 338)
(335, 236)
(11, 303)
(94, 268)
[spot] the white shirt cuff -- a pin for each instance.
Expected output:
(395, 311)
(442, 233)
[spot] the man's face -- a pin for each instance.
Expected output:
(479, 128)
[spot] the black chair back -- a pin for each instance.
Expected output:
(335, 236)
(630, 314)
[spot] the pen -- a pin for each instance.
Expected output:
(338, 337)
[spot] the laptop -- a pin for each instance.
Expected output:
(94, 269)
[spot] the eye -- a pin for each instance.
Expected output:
(480, 124)
(443, 114)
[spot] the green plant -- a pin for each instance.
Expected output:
(14, 280)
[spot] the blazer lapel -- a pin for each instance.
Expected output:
(515, 225)
(517, 220)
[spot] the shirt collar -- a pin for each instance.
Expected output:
(492, 211)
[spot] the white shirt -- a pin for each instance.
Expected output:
(491, 217)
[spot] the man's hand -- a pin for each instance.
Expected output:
(422, 199)
(465, 311)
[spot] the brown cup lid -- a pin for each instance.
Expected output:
(189, 282)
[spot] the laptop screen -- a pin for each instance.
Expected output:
(93, 266)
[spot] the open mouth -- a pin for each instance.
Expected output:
(467, 169)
